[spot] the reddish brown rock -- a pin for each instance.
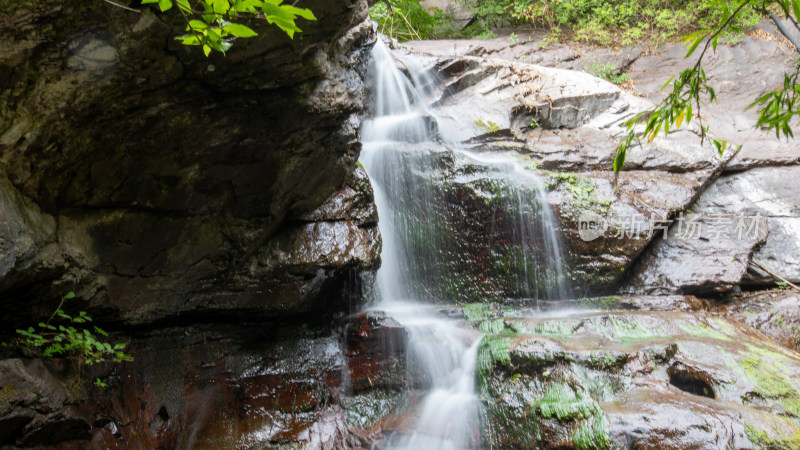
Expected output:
(376, 351)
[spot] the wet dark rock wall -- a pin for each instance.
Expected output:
(213, 386)
(154, 181)
(209, 211)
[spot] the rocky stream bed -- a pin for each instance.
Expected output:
(212, 214)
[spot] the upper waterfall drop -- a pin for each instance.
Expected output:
(515, 254)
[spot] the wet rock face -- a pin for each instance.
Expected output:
(37, 407)
(711, 258)
(661, 179)
(248, 385)
(740, 222)
(376, 350)
(562, 127)
(24, 236)
(739, 74)
(775, 313)
(193, 387)
(149, 178)
(767, 192)
(641, 380)
(472, 231)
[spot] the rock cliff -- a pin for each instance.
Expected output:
(156, 183)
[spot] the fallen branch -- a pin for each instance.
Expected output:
(122, 6)
(775, 275)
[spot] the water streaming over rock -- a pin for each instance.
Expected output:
(404, 156)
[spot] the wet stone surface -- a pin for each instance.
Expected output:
(639, 379)
(376, 349)
(775, 313)
(193, 387)
(498, 107)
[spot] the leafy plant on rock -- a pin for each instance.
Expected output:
(72, 338)
(609, 72)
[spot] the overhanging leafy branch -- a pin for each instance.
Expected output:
(691, 87)
(209, 23)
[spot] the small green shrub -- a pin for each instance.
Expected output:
(608, 72)
(607, 22)
(69, 340)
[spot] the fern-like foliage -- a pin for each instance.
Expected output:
(72, 338)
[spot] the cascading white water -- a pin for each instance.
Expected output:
(397, 144)
(444, 353)
(524, 232)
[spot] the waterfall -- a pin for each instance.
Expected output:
(400, 149)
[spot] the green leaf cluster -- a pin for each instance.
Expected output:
(209, 22)
(778, 107)
(689, 88)
(68, 340)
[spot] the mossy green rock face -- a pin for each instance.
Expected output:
(656, 380)
(169, 183)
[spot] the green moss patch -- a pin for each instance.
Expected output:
(583, 192)
(564, 403)
(705, 331)
(606, 303)
(477, 311)
(606, 360)
(771, 384)
(491, 350)
(592, 434)
(627, 331)
(554, 329)
(762, 440)
(501, 326)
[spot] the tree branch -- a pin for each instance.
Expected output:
(775, 275)
(781, 28)
(122, 6)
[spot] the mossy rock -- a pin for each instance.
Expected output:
(588, 380)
